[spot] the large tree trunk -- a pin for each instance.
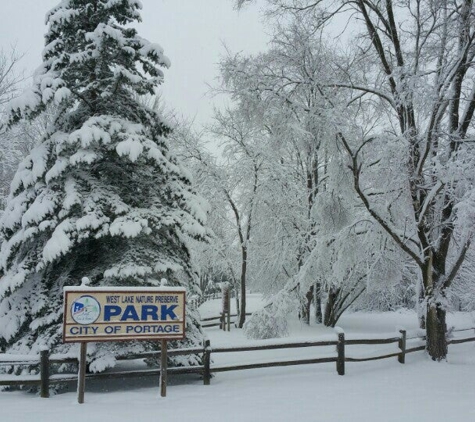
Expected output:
(436, 329)
(435, 320)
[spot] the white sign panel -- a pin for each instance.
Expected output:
(112, 314)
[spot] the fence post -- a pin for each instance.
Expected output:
(44, 374)
(226, 305)
(340, 348)
(402, 345)
(207, 363)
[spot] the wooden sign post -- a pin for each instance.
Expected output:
(118, 314)
(82, 372)
(163, 369)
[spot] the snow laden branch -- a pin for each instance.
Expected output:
(355, 166)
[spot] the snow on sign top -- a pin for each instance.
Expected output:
(124, 289)
(123, 313)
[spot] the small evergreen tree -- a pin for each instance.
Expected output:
(102, 196)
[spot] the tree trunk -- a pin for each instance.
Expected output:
(242, 313)
(305, 307)
(318, 303)
(436, 327)
(237, 299)
(435, 320)
(330, 314)
(421, 309)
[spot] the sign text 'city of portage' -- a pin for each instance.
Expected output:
(114, 313)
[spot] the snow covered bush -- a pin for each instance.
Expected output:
(102, 196)
(266, 323)
(272, 320)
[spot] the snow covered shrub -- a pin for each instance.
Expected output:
(266, 324)
(102, 196)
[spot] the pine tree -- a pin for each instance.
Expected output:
(102, 197)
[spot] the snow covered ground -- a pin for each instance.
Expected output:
(420, 390)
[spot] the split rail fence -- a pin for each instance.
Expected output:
(218, 321)
(44, 379)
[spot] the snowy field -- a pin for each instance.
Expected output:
(418, 391)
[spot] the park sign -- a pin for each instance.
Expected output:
(123, 313)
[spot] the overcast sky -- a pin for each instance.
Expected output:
(192, 32)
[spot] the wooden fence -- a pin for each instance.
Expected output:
(43, 362)
(217, 321)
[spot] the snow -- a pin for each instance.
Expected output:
(103, 363)
(124, 289)
(339, 330)
(123, 227)
(43, 206)
(57, 169)
(154, 49)
(369, 391)
(90, 221)
(83, 156)
(102, 29)
(131, 148)
(162, 267)
(58, 15)
(59, 243)
(391, 393)
(72, 197)
(10, 282)
(28, 99)
(122, 71)
(129, 270)
(16, 358)
(91, 131)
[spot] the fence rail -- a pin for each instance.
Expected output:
(208, 324)
(44, 361)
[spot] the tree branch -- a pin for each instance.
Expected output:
(355, 167)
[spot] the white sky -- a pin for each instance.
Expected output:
(192, 32)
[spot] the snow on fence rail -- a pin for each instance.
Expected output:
(44, 361)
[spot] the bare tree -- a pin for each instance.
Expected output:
(290, 89)
(244, 163)
(418, 60)
(11, 149)
(231, 184)
(10, 76)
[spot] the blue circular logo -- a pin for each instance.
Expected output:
(85, 310)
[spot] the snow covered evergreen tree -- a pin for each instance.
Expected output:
(102, 197)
